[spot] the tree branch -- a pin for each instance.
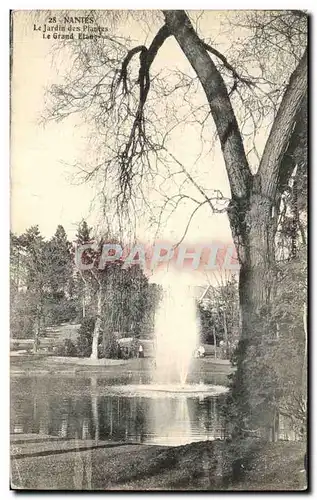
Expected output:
(194, 48)
(124, 68)
(137, 137)
(296, 151)
(194, 183)
(157, 42)
(276, 145)
(189, 222)
(227, 65)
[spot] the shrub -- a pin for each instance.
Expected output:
(68, 348)
(111, 348)
(84, 339)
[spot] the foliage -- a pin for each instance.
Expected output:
(41, 281)
(22, 316)
(121, 297)
(264, 387)
(84, 339)
(47, 289)
(59, 263)
(219, 313)
(68, 348)
(110, 346)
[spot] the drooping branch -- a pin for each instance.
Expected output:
(137, 136)
(194, 48)
(157, 42)
(147, 56)
(189, 222)
(283, 125)
(124, 68)
(229, 66)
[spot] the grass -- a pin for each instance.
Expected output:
(197, 466)
(210, 370)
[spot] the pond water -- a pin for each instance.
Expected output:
(90, 408)
(96, 408)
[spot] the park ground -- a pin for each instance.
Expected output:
(24, 362)
(48, 463)
(210, 370)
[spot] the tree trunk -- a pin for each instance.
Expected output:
(254, 199)
(95, 338)
(225, 329)
(84, 307)
(256, 254)
(254, 390)
(37, 325)
(215, 342)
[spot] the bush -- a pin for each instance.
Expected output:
(59, 310)
(84, 339)
(108, 346)
(22, 325)
(68, 348)
(111, 348)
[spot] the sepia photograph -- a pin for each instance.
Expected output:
(158, 250)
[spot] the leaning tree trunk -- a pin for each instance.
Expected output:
(96, 333)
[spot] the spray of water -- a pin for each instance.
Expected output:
(176, 332)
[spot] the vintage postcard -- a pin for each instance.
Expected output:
(158, 260)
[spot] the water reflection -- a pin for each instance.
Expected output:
(169, 423)
(86, 409)
(80, 409)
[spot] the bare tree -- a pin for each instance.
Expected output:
(121, 90)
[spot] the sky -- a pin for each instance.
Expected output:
(41, 191)
(42, 157)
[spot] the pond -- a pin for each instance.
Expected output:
(95, 408)
(90, 408)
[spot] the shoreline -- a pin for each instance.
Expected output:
(44, 365)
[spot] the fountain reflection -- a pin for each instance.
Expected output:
(169, 424)
(78, 409)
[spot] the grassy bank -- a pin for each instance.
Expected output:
(48, 463)
(211, 370)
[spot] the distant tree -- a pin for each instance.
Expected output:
(84, 339)
(60, 262)
(59, 276)
(117, 297)
(210, 330)
(219, 313)
(81, 281)
(17, 269)
(152, 295)
(83, 234)
(33, 247)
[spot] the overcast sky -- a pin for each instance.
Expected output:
(43, 192)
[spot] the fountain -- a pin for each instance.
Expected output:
(176, 334)
(169, 397)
